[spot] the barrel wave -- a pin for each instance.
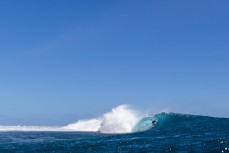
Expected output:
(144, 125)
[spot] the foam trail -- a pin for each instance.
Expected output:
(31, 128)
(121, 119)
(91, 125)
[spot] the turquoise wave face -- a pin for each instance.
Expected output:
(180, 122)
(164, 120)
(144, 124)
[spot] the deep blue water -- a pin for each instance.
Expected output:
(172, 133)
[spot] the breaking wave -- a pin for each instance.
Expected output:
(122, 119)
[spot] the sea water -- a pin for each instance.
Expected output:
(172, 133)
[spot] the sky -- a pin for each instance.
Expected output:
(61, 61)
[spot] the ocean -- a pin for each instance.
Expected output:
(172, 132)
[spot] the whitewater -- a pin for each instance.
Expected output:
(122, 119)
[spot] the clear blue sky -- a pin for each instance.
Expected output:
(65, 60)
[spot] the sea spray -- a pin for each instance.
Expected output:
(121, 119)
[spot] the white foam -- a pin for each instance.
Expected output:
(85, 125)
(121, 119)
(30, 128)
